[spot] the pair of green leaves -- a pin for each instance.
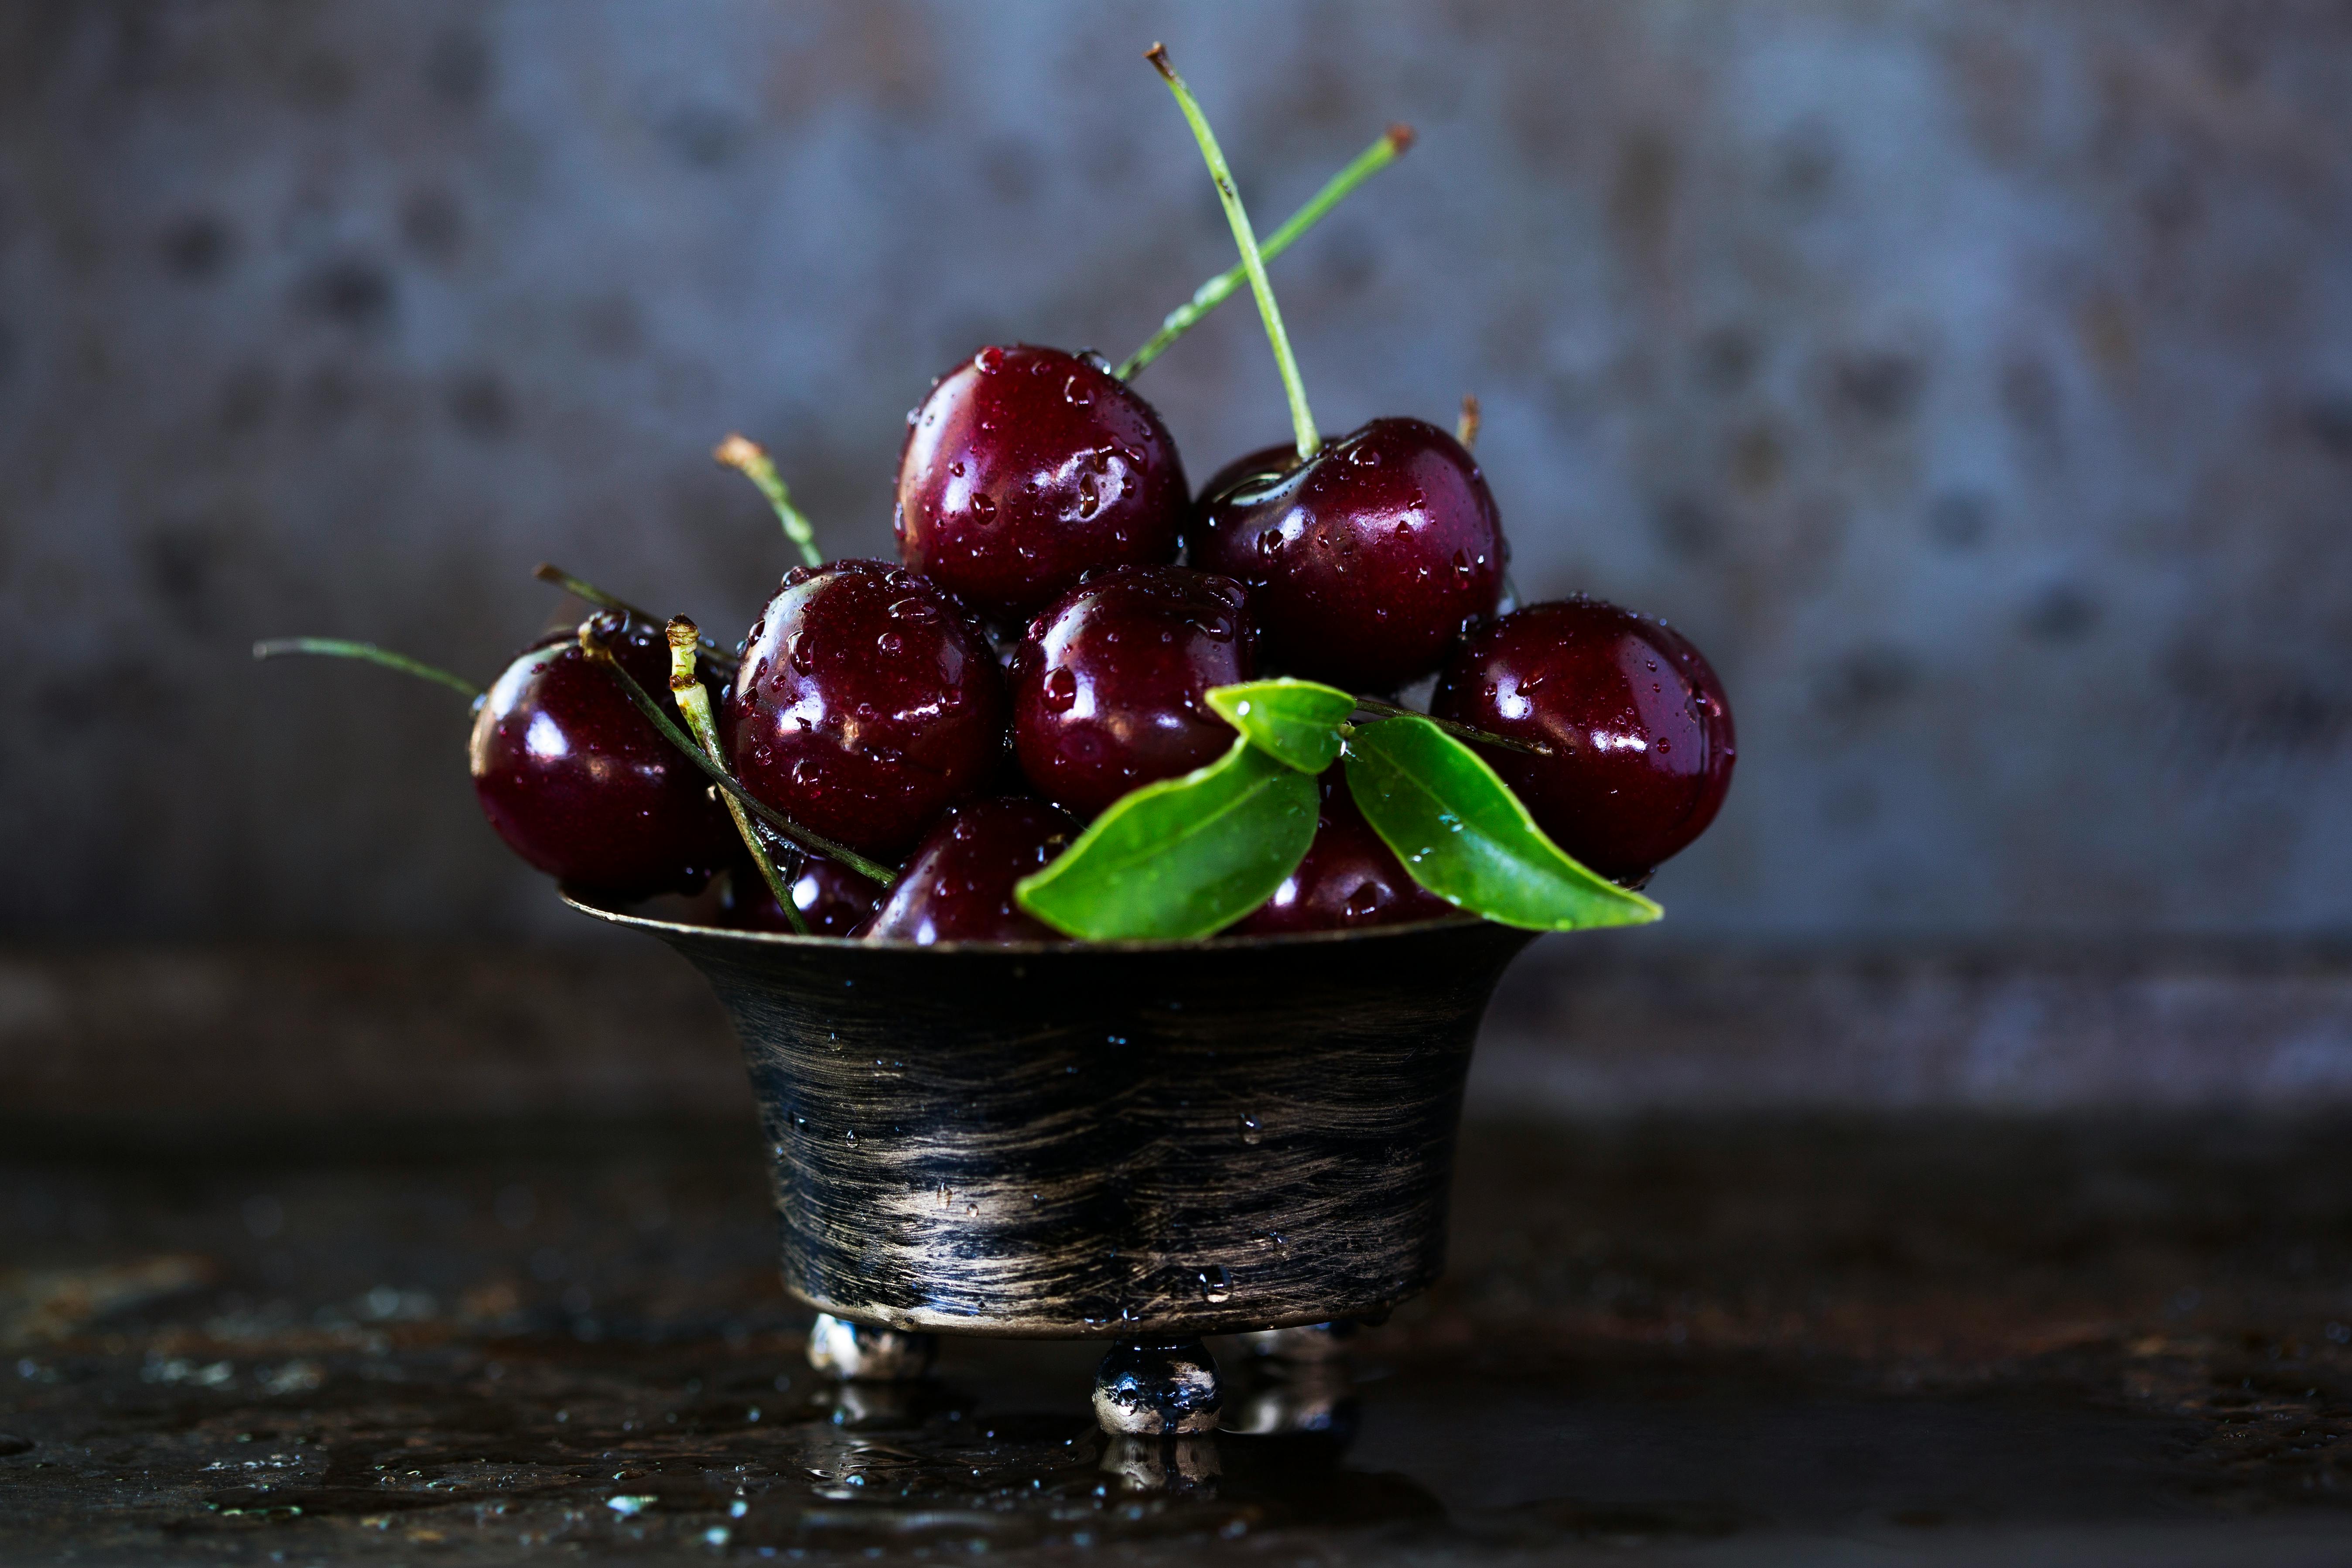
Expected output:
(1188, 857)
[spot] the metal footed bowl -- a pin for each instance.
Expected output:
(1118, 1141)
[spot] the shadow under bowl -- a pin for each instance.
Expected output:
(1116, 1140)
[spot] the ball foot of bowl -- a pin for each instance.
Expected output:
(861, 1352)
(1157, 1388)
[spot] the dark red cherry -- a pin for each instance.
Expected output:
(577, 781)
(833, 899)
(1349, 879)
(958, 886)
(1108, 684)
(1028, 467)
(1641, 735)
(1365, 560)
(867, 703)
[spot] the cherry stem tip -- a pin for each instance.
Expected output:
(751, 459)
(1302, 420)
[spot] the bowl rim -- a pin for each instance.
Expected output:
(586, 902)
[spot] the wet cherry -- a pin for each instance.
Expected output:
(1641, 735)
(577, 781)
(867, 701)
(1026, 467)
(1108, 684)
(1349, 879)
(1366, 560)
(832, 899)
(959, 885)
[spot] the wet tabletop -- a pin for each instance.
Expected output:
(1706, 1340)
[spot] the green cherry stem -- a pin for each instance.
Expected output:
(751, 459)
(339, 648)
(1459, 731)
(580, 588)
(693, 700)
(1302, 421)
(1390, 146)
(1465, 428)
(594, 647)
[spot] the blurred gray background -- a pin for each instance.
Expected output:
(1972, 381)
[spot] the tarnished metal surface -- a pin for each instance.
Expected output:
(1973, 383)
(1932, 1340)
(1122, 1140)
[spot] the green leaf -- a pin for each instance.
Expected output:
(1295, 722)
(1183, 858)
(1464, 836)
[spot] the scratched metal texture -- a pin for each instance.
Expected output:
(1972, 381)
(1063, 1142)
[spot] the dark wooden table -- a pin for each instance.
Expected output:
(1733, 1340)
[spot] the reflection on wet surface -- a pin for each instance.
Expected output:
(1730, 1341)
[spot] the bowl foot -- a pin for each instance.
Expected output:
(861, 1352)
(1154, 1388)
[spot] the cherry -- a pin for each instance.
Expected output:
(1349, 879)
(1025, 468)
(1364, 560)
(832, 899)
(959, 885)
(1108, 684)
(1641, 736)
(577, 781)
(867, 701)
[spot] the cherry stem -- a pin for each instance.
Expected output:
(580, 588)
(1302, 421)
(594, 647)
(1465, 428)
(693, 700)
(1459, 731)
(1390, 146)
(751, 459)
(339, 648)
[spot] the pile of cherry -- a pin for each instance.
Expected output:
(1088, 701)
